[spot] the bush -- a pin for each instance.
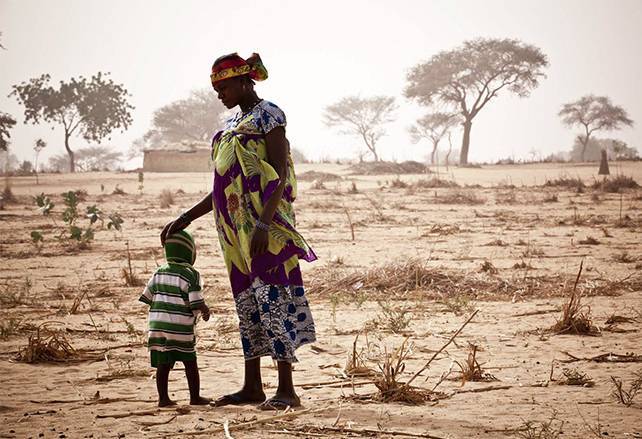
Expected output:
(616, 183)
(567, 182)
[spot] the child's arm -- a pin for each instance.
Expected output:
(196, 300)
(205, 311)
(146, 297)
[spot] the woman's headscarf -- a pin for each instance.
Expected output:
(232, 65)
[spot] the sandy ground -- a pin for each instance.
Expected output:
(509, 220)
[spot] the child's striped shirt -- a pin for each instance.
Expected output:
(172, 293)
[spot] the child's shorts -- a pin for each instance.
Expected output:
(159, 358)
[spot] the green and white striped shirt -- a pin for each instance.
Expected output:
(173, 294)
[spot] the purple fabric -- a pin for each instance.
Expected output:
(268, 267)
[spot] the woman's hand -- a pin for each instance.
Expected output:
(259, 243)
(172, 227)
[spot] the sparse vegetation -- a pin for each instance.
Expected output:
(626, 395)
(576, 317)
(166, 198)
(616, 184)
(552, 428)
(566, 182)
(471, 370)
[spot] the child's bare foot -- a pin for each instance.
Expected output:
(166, 402)
(281, 402)
(200, 401)
(241, 397)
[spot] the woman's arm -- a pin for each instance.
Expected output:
(196, 211)
(277, 147)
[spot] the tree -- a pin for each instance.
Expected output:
(433, 126)
(6, 123)
(469, 77)
(91, 158)
(615, 148)
(98, 158)
(362, 117)
(92, 108)
(194, 119)
(39, 146)
(593, 113)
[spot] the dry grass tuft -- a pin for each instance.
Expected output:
(128, 275)
(391, 319)
(434, 182)
(388, 381)
(318, 176)
(444, 229)
(381, 167)
(488, 267)
(471, 370)
(459, 197)
(398, 183)
(46, 346)
(575, 318)
(589, 241)
(118, 191)
(551, 198)
(549, 429)
(356, 365)
(9, 326)
(497, 242)
(624, 395)
(614, 319)
(566, 182)
(166, 198)
(624, 258)
(574, 377)
(123, 369)
(616, 184)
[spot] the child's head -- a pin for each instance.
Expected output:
(180, 247)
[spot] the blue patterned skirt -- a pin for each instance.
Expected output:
(274, 320)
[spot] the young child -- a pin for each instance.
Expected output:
(174, 297)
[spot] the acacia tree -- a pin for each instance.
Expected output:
(194, 118)
(467, 78)
(593, 113)
(433, 126)
(364, 117)
(92, 108)
(6, 123)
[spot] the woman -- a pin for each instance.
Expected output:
(254, 187)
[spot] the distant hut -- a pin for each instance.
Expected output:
(178, 157)
(604, 164)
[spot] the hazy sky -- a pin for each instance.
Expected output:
(318, 52)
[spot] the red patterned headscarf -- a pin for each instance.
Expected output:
(232, 65)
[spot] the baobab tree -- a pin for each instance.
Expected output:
(363, 117)
(92, 108)
(433, 127)
(593, 113)
(467, 78)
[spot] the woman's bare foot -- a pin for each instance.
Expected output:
(281, 402)
(166, 403)
(241, 397)
(200, 401)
